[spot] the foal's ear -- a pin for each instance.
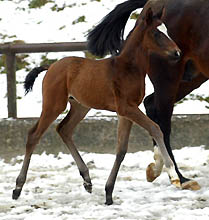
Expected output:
(149, 16)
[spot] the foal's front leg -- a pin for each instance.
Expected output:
(124, 128)
(134, 114)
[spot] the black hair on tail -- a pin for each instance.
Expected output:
(32, 75)
(107, 36)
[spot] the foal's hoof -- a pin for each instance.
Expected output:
(87, 186)
(150, 173)
(191, 185)
(16, 194)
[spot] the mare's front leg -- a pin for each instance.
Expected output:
(124, 128)
(156, 111)
(159, 105)
(65, 129)
(154, 169)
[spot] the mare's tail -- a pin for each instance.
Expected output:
(107, 36)
(32, 75)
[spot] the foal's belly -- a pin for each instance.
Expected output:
(94, 92)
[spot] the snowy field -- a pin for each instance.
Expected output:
(54, 190)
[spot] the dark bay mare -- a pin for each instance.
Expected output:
(115, 84)
(187, 23)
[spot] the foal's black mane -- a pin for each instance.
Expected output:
(104, 37)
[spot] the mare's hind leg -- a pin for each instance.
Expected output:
(48, 115)
(154, 169)
(65, 129)
(124, 128)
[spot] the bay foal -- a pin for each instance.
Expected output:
(115, 84)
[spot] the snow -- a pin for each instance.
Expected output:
(54, 188)
(44, 25)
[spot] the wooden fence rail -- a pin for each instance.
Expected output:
(10, 50)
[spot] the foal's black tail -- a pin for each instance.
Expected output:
(30, 78)
(107, 36)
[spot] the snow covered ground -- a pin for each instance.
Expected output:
(54, 189)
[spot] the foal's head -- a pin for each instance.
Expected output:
(148, 38)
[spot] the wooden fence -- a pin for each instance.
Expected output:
(10, 50)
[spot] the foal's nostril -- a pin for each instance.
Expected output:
(177, 53)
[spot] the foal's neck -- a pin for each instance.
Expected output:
(134, 53)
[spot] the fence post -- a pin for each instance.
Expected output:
(10, 50)
(11, 84)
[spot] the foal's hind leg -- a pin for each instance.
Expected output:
(48, 115)
(124, 128)
(65, 129)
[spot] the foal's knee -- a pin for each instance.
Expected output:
(155, 131)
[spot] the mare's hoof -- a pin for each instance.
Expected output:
(87, 186)
(150, 173)
(16, 194)
(191, 185)
(176, 183)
